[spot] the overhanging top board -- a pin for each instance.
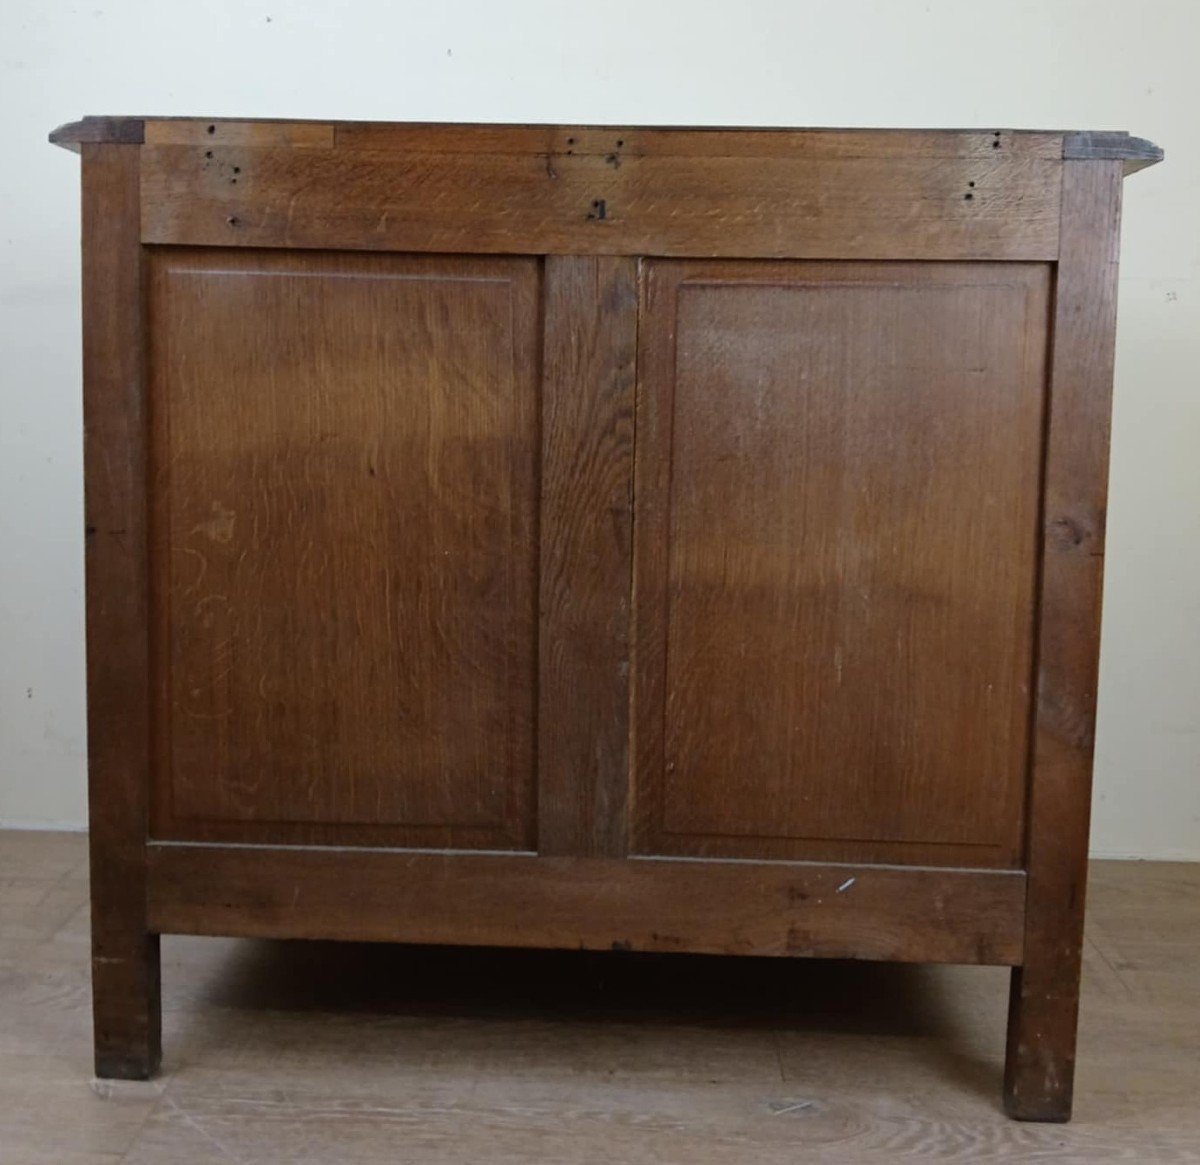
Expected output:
(1137, 153)
(530, 189)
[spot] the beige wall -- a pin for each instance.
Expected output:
(1053, 63)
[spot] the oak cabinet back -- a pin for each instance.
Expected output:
(656, 539)
(835, 524)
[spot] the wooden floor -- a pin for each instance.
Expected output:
(311, 1052)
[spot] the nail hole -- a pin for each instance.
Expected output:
(620, 143)
(238, 170)
(233, 220)
(968, 196)
(208, 153)
(971, 184)
(212, 129)
(570, 141)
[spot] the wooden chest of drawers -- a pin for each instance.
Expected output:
(679, 540)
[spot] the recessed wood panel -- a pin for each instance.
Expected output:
(837, 513)
(344, 453)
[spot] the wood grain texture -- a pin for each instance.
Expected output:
(837, 499)
(360, 586)
(617, 142)
(1134, 153)
(471, 138)
(98, 130)
(823, 911)
(344, 458)
(320, 1052)
(623, 142)
(1045, 991)
(191, 132)
(989, 207)
(591, 314)
(125, 960)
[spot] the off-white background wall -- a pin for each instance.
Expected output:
(1115, 64)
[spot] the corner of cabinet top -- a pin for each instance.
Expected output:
(1135, 153)
(1111, 145)
(73, 135)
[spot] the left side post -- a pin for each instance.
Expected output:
(125, 959)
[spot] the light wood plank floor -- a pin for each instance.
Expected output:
(311, 1052)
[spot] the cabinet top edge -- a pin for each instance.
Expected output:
(98, 130)
(1111, 145)
(485, 137)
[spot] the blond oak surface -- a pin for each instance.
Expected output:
(313, 1052)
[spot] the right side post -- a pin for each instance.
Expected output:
(1044, 999)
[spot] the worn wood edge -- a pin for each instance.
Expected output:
(540, 138)
(658, 127)
(1136, 153)
(1112, 145)
(752, 908)
(126, 131)
(615, 143)
(219, 132)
